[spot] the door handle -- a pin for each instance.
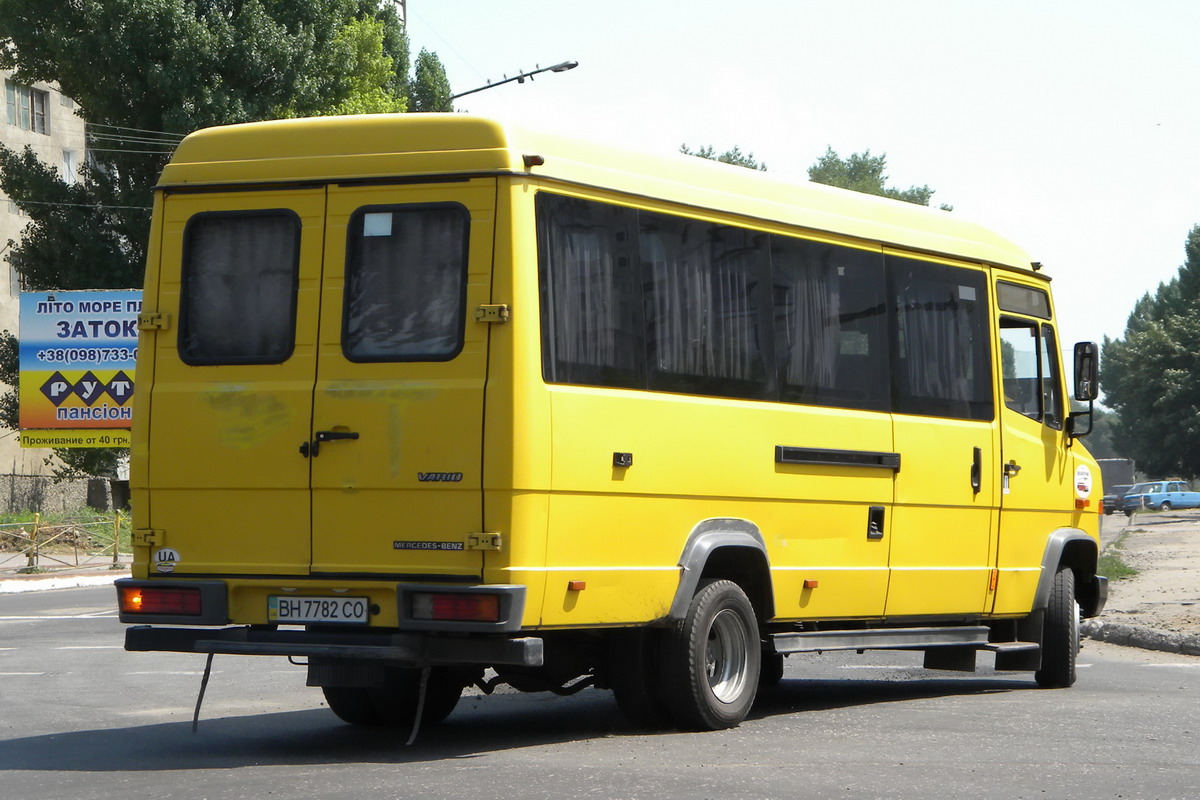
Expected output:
(1012, 468)
(313, 449)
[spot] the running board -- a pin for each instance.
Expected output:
(974, 637)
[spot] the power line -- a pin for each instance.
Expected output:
(136, 130)
(77, 205)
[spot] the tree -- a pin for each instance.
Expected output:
(1151, 376)
(143, 74)
(863, 172)
(430, 90)
(733, 156)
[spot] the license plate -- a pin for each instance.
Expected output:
(289, 609)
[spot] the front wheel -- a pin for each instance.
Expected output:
(711, 659)
(1165, 505)
(1060, 634)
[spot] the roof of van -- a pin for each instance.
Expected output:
(382, 146)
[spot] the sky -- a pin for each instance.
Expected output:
(1072, 127)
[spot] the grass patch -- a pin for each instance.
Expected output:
(1111, 565)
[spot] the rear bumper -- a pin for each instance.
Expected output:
(409, 649)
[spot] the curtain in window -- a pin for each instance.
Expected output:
(239, 288)
(703, 313)
(941, 335)
(807, 314)
(591, 293)
(405, 284)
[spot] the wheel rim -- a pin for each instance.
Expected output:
(725, 657)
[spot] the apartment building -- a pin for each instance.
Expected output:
(42, 118)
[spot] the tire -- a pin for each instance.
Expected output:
(712, 658)
(1165, 505)
(1060, 634)
(395, 703)
(635, 678)
(352, 704)
(771, 670)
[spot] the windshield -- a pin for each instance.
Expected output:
(1142, 488)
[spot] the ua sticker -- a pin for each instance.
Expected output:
(1083, 482)
(165, 559)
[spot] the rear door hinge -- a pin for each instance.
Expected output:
(148, 537)
(483, 541)
(496, 314)
(153, 321)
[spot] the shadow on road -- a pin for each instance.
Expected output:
(478, 727)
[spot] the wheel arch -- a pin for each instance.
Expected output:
(1074, 548)
(725, 548)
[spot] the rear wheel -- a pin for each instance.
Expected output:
(1060, 634)
(711, 659)
(395, 703)
(352, 704)
(636, 679)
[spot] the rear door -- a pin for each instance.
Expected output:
(396, 441)
(232, 393)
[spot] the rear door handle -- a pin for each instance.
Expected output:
(313, 449)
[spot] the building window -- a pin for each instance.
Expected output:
(27, 108)
(70, 166)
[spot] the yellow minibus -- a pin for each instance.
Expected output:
(430, 402)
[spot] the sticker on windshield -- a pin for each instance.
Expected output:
(1083, 482)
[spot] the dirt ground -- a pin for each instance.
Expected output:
(1165, 594)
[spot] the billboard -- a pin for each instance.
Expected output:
(78, 351)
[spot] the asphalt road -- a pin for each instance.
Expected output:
(81, 719)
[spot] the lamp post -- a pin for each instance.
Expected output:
(563, 67)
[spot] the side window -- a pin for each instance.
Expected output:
(705, 307)
(941, 363)
(1052, 396)
(238, 295)
(591, 290)
(1030, 370)
(406, 282)
(831, 340)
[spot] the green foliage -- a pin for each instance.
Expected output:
(1111, 564)
(863, 172)
(146, 72)
(1151, 376)
(733, 156)
(430, 88)
(370, 68)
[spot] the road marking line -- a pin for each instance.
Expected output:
(173, 672)
(50, 616)
(92, 647)
(17, 674)
(1184, 666)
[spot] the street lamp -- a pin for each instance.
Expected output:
(563, 67)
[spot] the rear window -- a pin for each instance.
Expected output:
(406, 279)
(238, 294)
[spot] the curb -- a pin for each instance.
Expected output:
(1187, 644)
(46, 582)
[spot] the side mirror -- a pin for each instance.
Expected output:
(1087, 380)
(1087, 387)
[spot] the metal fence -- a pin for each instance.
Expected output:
(44, 544)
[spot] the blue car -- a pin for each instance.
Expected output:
(1160, 495)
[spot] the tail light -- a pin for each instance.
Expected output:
(456, 607)
(152, 600)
